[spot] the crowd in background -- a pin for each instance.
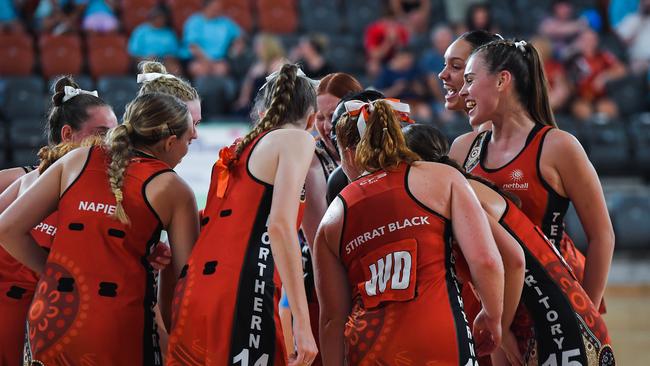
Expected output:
(585, 46)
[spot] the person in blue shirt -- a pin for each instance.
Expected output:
(155, 39)
(99, 15)
(9, 20)
(207, 36)
(431, 63)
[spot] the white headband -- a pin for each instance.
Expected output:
(299, 73)
(71, 92)
(151, 76)
(521, 46)
(365, 108)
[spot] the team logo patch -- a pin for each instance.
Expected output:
(516, 175)
(474, 156)
(606, 356)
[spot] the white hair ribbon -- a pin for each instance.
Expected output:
(151, 76)
(71, 92)
(299, 73)
(521, 46)
(363, 110)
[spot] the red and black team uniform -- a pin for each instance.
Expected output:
(225, 309)
(328, 163)
(539, 201)
(17, 285)
(556, 322)
(406, 303)
(97, 281)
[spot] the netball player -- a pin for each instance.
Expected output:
(112, 202)
(456, 57)
(226, 304)
(384, 267)
(331, 89)
(81, 115)
(525, 154)
(566, 326)
(75, 114)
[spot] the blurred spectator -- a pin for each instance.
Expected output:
(99, 15)
(433, 61)
(559, 88)
(9, 21)
(479, 17)
(270, 57)
(618, 9)
(456, 11)
(401, 78)
(381, 40)
(413, 13)
(57, 18)
(207, 37)
(593, 68)
(310, 54)
(156, 40)
(561, 27)
(634, 30)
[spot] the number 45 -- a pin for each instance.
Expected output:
(566, 355)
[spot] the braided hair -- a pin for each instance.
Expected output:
(286, 98)
(148, 119)
(175, 86)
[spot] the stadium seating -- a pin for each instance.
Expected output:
(277, 16)
(320, 16)
(24, 157)
(135, 12)
(607, 146)
(23, 98)
(60, 55)
(358, 14)
(117, 91)
(107, 55)
(239, 11)
(27, 133)
(345, 53)
(628, 93)
(16, 54)
(640, 141)
(216, 95)
(85, 82)
(574, 229)
(630, 220)
(180, 10)
(455, 127)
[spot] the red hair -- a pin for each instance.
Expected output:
(339, 84)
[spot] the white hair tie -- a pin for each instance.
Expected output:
(299, 73)
(151, 76)
(521, 46)
(71, 92)
(363, 110)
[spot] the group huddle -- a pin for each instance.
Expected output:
(337, 231)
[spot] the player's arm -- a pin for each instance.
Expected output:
(331, 286)
(460, 147)
(295, 153)
(582, 186)
(315, 202)
(181, 221)
(9, 176)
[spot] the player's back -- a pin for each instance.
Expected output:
(398, 257)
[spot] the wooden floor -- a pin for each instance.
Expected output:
(628, 321)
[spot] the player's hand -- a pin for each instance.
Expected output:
(511, 349)
(306, 349)
(487, 334)
(160, 256)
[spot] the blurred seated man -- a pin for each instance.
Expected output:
(155, 39)
(207, 37)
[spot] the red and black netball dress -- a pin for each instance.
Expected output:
(566, 325)
(225, 309)
(539, 201)
(94, 302)
(17, 284)
(398, 257)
